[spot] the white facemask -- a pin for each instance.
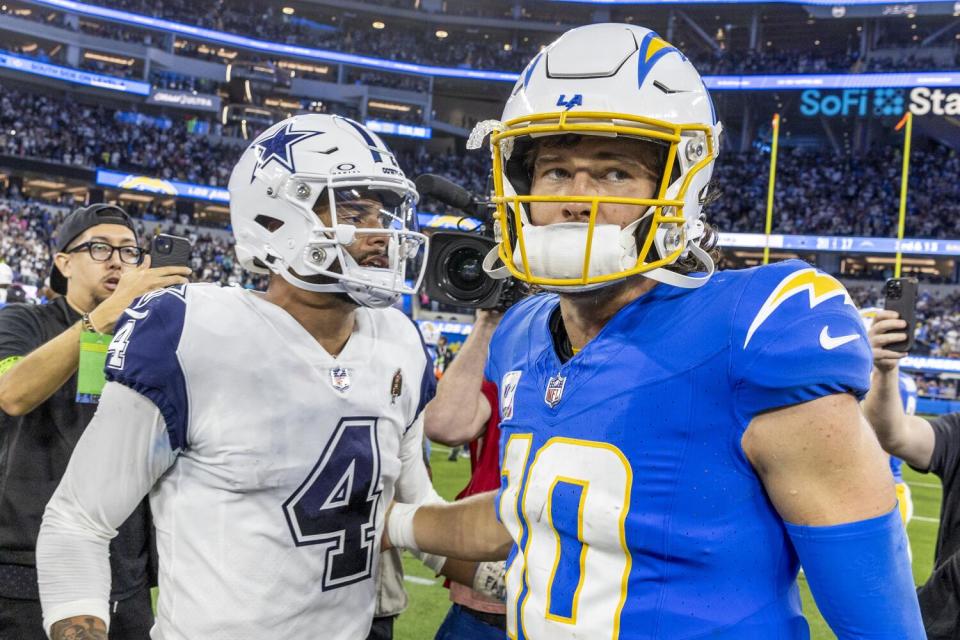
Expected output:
(558, 250)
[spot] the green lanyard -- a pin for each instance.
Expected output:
(93, 357)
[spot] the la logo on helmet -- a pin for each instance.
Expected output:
(575, 101)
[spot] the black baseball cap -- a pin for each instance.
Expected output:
(75, 224)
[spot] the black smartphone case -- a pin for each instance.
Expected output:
(903, 300)
(178, 256)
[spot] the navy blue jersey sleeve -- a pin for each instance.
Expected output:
(797, 337)
(143, 356)
(428, 381)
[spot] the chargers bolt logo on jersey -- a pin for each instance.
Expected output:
(509, 390)
(340, 378)
(818, 286)
(554, 390)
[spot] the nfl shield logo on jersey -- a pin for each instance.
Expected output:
(554, 390)
(509, 386)
(340, 379)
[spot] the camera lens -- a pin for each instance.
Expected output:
(460, 270)
(164, 245)
(464, 269)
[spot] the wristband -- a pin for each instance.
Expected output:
(489, 580)
(400, 526)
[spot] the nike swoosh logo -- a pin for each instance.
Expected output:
(140, 315)
(829, 343)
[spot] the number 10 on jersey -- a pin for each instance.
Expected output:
(568, 512)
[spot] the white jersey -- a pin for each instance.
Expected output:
(281, 460)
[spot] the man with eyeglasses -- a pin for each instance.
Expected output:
(99, 269)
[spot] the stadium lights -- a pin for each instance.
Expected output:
(389, 106)
(441, 34)
(825, 81)
(377, 24)
(102, 57)
(288, 11)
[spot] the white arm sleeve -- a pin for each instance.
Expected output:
(414, 485)
(119, 457)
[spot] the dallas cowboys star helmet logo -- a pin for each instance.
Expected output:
(279, 147)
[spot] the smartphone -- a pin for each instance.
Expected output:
(901, 296)
(170, 251)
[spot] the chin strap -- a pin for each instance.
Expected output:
(499, 273)
(356, 292)
(674, 279)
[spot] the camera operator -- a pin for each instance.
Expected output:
(99, 269)
(927, 446)
(466, 410)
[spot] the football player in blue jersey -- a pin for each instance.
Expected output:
(675, 442)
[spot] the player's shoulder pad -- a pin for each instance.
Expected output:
(143, 355)
(789, 293)
(797, 336)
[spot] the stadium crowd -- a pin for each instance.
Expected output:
(26, 228)
(840, 196)
(25, 238)
(813, 196)
(354, 34)
(63, 130)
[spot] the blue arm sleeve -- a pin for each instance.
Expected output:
(860, 576)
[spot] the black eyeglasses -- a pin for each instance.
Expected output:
(102, 251)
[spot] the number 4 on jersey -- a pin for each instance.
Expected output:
(336, 505)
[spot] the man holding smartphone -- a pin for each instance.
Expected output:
(930, 446)
(99, 269)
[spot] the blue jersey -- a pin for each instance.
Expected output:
(908, 395)
(634, 510)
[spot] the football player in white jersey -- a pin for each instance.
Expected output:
(269, 430)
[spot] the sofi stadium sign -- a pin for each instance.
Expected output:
(920, 101)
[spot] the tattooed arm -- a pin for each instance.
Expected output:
(79, 628)
(119, 457)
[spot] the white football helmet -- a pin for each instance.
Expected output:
(605, 80)
(274, 193)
